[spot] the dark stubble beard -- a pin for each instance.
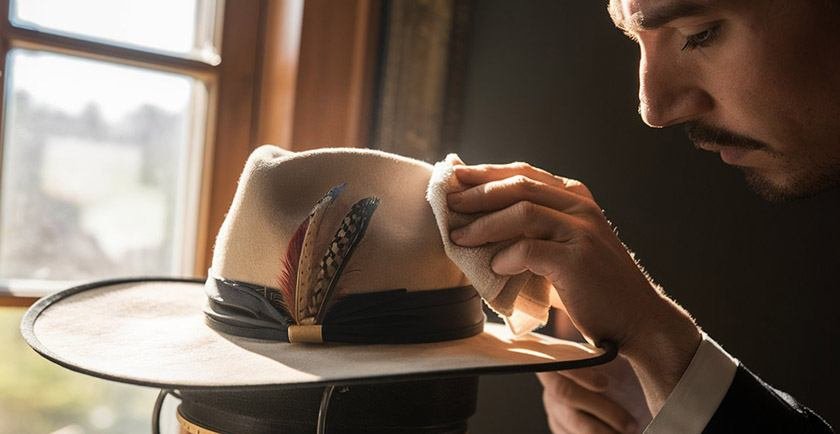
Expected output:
(806, 180)
(807, 177)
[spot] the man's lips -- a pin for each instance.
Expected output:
(732, 155)
(734, 148)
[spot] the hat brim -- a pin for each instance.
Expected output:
(152, 332)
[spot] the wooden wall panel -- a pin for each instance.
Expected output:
(422, 78)
(278, 84)
(338, 51)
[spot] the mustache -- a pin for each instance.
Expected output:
(701, 133)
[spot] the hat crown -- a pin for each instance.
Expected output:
(401, 247)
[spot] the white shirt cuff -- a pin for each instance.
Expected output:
(697, 395)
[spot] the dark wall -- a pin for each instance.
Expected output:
(553, 83)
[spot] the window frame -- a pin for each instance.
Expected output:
(228, 122)
(298, 74)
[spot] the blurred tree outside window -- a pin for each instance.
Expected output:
(107, 112)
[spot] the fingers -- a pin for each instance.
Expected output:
(571, 421)
(505, 192)
(593, 379)
(575, 406)
(579, 422)
(537, 256)
(523, 219)
(483, 173)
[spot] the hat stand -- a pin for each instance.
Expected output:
(430, 406)
(321, 425)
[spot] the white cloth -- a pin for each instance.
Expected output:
(523, 300)
(697, 395)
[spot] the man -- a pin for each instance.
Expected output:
(757, 81)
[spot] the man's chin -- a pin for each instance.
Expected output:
(786, 190)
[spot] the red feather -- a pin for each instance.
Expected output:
(287, 281)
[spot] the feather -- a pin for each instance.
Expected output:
(304, 264)
(287, 280)
(349, 234)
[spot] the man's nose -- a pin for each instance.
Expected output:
(670, 92)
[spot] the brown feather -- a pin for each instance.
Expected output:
(305, 264)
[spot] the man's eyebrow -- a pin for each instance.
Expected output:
(657, 16)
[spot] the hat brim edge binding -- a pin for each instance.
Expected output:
(28, 324)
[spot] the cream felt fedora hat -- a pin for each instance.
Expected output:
(328, 269)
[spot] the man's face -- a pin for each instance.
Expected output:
(756, 80)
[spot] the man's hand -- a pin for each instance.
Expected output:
(605, 398)
(561, 233)
(600, 399)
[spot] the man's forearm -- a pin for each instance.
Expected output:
(661, 351)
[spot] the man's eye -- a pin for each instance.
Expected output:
(702, 39)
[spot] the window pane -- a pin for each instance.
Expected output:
(100, 169)
(41, 397)
(185, 27)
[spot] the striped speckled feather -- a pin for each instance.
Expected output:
(350, 232)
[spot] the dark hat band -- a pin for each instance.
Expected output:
(436, 406)
(387, 317)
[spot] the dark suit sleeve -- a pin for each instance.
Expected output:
(752, 406)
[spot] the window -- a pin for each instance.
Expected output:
(125, 124)
(103, 153)
(98, 176)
